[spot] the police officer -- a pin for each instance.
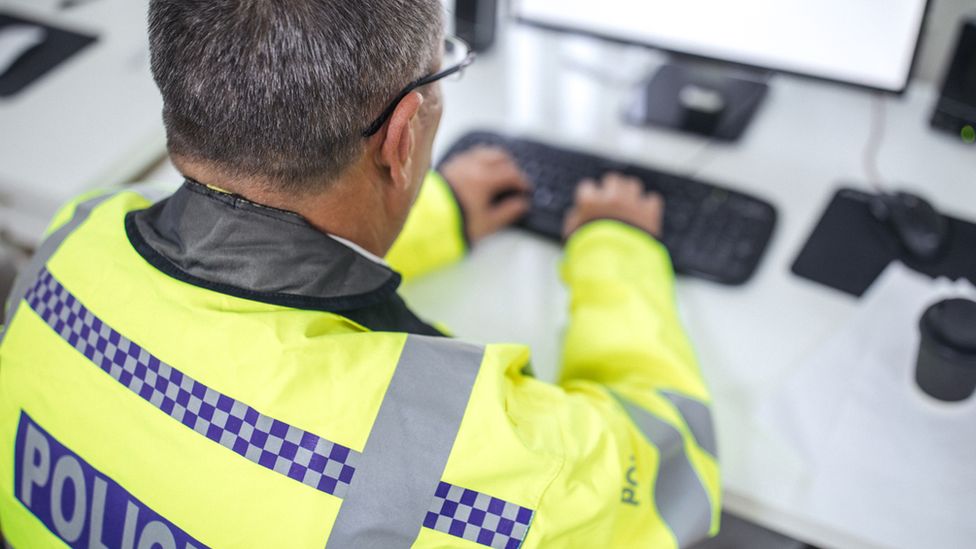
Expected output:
(231, 366)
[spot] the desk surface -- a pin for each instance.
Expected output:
(92, 121)
(807, 139)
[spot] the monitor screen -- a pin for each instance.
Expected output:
(869, 43)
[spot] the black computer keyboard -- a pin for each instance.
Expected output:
(711, 232)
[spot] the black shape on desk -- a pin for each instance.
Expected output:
(922, 231)
(955, 111)
(58, 47)
(850, 247)
(705, 102)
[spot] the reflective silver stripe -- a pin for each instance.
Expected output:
(28, 275)
(698, 418)
(47, 249)
(680, 496)
(408, 447)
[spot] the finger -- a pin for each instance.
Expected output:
(586, 189)
(508, 211)
(656, 201)
(482, 156)
(613, 186)
(489, 153)
(507, 176)
(570, 222)
(612, 178)
(626, 185)
(617, 181)
(633, 181)
(655, 198)
(633, 187)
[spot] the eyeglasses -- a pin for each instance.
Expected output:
(457, 57)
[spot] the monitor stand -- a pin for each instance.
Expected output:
(697, 99)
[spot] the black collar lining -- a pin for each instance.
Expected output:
(327, 304)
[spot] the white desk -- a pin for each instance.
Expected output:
(806, 140)
(92, 121)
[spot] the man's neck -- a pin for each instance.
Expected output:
(346, 209)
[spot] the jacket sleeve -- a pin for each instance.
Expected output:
(639, 450)
(433, 235)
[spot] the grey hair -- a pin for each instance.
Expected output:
(282, 90)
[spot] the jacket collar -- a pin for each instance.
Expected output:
(226, 243)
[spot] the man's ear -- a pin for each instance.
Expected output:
(396, 150)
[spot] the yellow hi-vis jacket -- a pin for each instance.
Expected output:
(202, 371)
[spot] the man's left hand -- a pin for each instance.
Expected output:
(491, 190)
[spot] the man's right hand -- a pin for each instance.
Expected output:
(478, 178)
(616, 197)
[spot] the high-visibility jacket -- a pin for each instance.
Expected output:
(203, 371)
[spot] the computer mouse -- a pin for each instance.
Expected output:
(17, 40)
(921, 230)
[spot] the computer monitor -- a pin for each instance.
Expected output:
(868, 43)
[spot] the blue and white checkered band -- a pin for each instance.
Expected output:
(297, 454)
(478, 517)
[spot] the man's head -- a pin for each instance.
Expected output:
(278, 92)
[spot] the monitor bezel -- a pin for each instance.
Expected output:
(732, 63)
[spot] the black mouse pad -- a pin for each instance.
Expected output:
(58, 47)
(849, 248)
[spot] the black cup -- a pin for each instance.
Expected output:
(946, 367)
